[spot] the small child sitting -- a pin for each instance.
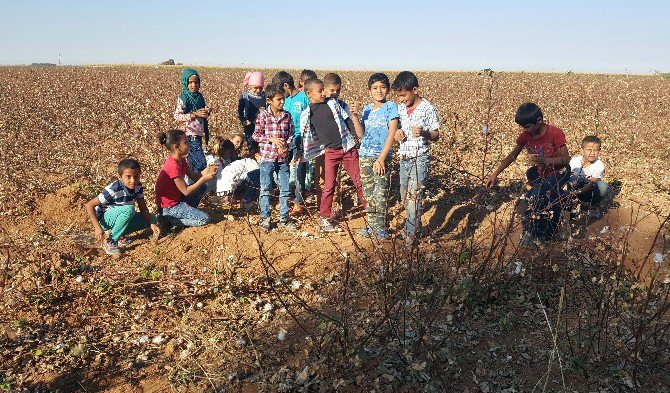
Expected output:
(241, 177)
(587, 175)
(224, 150)
(113, 213)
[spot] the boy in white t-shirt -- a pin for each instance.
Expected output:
(587, 175)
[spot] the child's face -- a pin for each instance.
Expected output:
(238, 141)
(333, 91)
(379, 91)
(276, 102)
(182, 147)
(130, 178)
(255, 89)
(532, 128)
(407, 97)
(590, 151)
(193, 84)
(316, 94)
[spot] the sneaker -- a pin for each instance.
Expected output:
(383, 234)
(298, 210)
(528, 241)
(124, 241)
(594, 212)
(265, 223)
(111, 247)
(327, 226)
(366, 232)
(287, 223)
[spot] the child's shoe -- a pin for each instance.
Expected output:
(265, 223)
(366, 232)
(383, 234)
(124, 241)
(528, 241)
(298, 210)
(111, 247)
(287, 223)
(327, 226)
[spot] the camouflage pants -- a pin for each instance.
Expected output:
(375, 190)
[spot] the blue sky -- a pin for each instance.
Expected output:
(612, 36)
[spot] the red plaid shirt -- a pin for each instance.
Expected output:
(268, 126)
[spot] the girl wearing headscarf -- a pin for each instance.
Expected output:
(192, 114)
(251, 102)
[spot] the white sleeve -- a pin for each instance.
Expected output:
(575, 163)
(432, 119)
(598, 170)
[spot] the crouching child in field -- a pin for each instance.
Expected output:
(241, 177)
(113, 213)
(587, 176)
(548, 174)
(177, 202)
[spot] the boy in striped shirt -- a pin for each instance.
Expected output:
(113, 213)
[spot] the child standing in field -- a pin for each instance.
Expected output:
(251, 103)
(419, 126)
(549, 158)
(295, 102)
(326, 131)
(114, 209)
(587, 175)
(192, 116)
(380, 120)
(177, 202)
(332, 86)
(274, 133)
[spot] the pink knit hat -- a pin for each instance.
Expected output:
(254, 78)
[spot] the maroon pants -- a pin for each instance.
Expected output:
(333, 159)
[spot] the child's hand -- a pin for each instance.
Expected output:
(280, 143)
(379, 168)
(355, 109)
(417, 131)
(491, 181)
(202, 113)
(100, 235)
(400, 135)
(535, 159)
(156, 230)
(247, 123)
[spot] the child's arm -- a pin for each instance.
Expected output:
(90, 211)
(561, 160)
(179, 114)
(380, 165)
(241, 111)
(355, 112)
(148, 217)
(260, 134)
(507, 161)
(208, 174)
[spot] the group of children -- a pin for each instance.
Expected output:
(308, 128)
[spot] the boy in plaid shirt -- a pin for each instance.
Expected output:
(113, 213)
(274, 131)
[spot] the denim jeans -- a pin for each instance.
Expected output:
(196, 156)
(544, 207)
(413, 175)
(268, 168)
(186, 212)
(593, 196)
(252, 184)
(122, 220)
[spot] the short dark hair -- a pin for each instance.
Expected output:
(592, 139)
(170, 138)
(273, 89)
(128, 163)
(379, 77)
(528, 113)
(307, 74)
(405, 80)
(310, 83)
(332, 78)
(284, 77)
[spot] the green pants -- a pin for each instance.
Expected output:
(375, 190)
(122, 220)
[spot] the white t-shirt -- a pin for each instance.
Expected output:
(232, 175)
(424, 115)
(595, 170)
